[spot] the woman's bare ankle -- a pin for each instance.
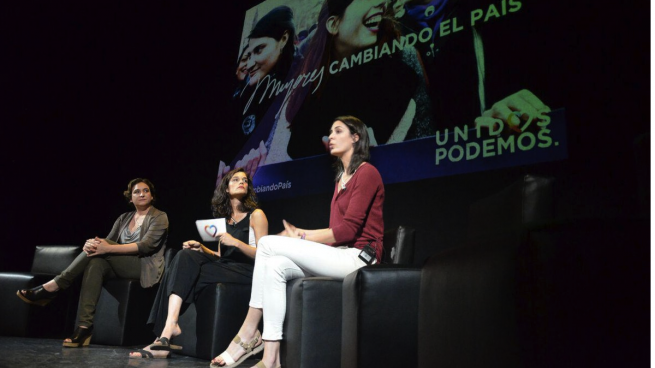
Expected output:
(171, 329)
(247, 333)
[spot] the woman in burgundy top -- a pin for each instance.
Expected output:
(353, 240)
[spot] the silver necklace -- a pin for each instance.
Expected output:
(234, 221)
(138, 220)
(343, 181)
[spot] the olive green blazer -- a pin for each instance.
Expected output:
(152, 244)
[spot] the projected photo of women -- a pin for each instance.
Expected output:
(451, 86)
(388, 90)
(267, 54)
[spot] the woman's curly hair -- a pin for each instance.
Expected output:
(221, 200)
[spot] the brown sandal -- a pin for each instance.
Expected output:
(250, 347)
(145, 354)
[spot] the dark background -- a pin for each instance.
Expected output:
(97, 93)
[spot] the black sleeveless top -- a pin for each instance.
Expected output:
(241, 231)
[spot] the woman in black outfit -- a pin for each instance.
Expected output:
(196, 267)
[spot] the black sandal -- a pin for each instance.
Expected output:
(81, 337)
(37, 295)
(145, 354)
(164, 344)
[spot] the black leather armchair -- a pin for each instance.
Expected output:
(313, 323)
(56, 319)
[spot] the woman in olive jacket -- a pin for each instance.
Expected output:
(134, 249)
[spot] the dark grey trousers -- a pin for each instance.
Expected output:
(96, 270)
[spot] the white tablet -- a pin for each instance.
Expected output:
(209, 228)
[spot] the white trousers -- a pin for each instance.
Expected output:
(280, 259)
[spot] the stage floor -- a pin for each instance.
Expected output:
(19, 352)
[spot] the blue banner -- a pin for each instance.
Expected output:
(461, 152)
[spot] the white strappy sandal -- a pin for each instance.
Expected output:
(250, 347)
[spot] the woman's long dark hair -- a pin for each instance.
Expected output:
(360, 148)
(319, 50)
(274, 24)
(221, 200)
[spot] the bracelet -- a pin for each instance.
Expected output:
(303, 236)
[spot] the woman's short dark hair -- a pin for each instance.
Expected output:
(133, 183)
(360, 148)
(221, 200)
(274, 24)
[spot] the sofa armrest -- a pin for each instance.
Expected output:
(52, 259)
(380, 316)
(312, 327)
(56, 320)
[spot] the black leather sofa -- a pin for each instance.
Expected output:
(525, 290)
(120, 316)
(56, 319)
(122, 310)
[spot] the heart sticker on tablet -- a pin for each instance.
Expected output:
(208, 229)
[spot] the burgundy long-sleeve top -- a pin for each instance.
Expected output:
(356, 212)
